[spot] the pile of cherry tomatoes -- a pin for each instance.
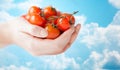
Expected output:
(55, 22)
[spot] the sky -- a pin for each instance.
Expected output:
(98, 42)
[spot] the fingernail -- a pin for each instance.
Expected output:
(43, 33)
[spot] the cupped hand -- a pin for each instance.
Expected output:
(31, 38)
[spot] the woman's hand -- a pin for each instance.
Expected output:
(30, 37)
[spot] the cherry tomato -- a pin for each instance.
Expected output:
(58, 13)
(37, 20)
(49, 11)
(34, 10)
(63, 23)
(53, 32)
(70, 18)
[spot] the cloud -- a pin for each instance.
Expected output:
(61, 62)
(93, 60)
(92, 35)
(4, 16)
(27, 4)
(115, 3)
(106, 60)
(116, 19)
(80, 19)
(104, 43)
(23, 6)
(6, 4)
(111, 60)
(13, 67)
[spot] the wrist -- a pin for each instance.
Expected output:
(5, 34)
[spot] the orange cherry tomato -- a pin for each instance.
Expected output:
(37, 20)
(53, 32)
(34, 10)
(49, 11)
(63, 23)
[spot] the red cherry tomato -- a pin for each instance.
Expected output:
(37, 20)
(53, 32)
(49, 11)
(70, 18)
(34, 10)
(63, 23)
(58, 13)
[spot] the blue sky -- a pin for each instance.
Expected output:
(98, 42)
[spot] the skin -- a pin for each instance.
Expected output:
(30, 37)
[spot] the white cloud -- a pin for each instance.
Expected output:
(93, 60)
(80, 19)
(13, 67)
(6, 4)
(93, 35)
(5, 16)
(116, 19)
(61, 62)
(107, 60)
(23, 6)
(27, 4)
(115, 3)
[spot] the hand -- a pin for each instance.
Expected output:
(30, 37)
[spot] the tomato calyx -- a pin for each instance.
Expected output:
(54, 25)
(75, 12)
(70, 21)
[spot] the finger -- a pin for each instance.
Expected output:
(32, 29)
(73, 37)
(75, 34)
(63, 39)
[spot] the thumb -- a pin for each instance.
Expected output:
(32, 29)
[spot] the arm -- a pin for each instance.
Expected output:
(9, 29)
(4, 34)
(30, 37)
